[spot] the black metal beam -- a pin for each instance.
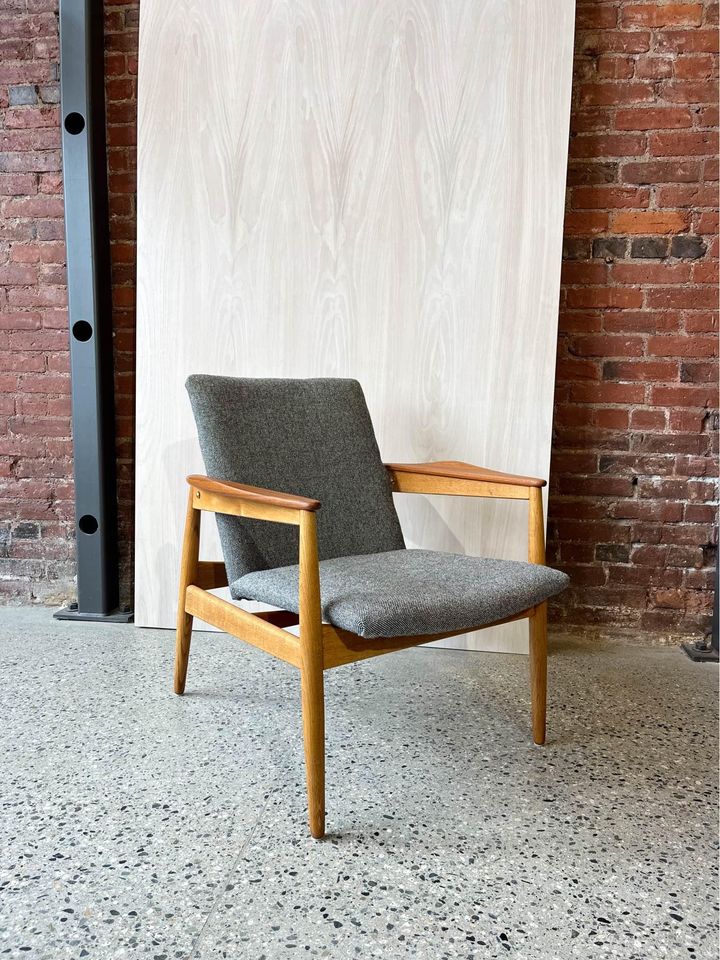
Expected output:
(82, 97)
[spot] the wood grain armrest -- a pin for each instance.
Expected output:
(457, 470)
(243, 491)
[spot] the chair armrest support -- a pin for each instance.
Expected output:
(242, 500)
(457, 470)
(451, 477)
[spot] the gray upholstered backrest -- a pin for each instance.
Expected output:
(312, 437)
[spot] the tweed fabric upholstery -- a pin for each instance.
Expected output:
(310, 437)
(410, 592)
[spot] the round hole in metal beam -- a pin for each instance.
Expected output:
(88, 524)
(82, 330)
(74, 123)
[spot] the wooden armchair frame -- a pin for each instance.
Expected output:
(321, 646)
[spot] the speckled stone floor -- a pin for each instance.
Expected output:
(134, 823)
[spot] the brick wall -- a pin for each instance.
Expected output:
(631, 514)
(632, 476)
(36, 509)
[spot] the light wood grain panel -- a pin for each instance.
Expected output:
(370, 189)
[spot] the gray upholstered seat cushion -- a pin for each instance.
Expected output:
(410, 592)
(312, 437)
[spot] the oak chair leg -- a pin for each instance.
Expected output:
(313, 713)
(538, 620)
(538, 671)
(188, 572)
(311, 675)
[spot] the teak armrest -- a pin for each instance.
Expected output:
(243, 491)
(457, 470)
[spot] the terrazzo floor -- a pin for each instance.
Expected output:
(134, 823)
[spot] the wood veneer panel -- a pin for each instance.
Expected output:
(369, 189)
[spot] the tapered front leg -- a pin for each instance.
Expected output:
(313, 712)
(188, 572)
(311, 675)
(538, 671)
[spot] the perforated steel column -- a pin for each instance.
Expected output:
(89, 296)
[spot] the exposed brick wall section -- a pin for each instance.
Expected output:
(36, 507)
(633, 493)
(36, 489)
(121, 43)
(631, 508)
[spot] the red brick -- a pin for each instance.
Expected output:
(21, 362)
(604, 297)
(698, 67)
(649, 272)
(593, 171)
(653, 118)
(682, 396)
(607, 393)
(52, 252)
(580, 321)
(17, 184)
(687, 195)
(590, 119)
(18, 274)
(662, 15)
(641, 370)
(31, 117)
(121, 89)
(686, 298)
(615, 92)
(606, 197)
(40, 297)
(616, 67)
(607, 145)
(32, 207)
(650, 221)
(682, 346)
(706, 222)
(20, 71)
(641, 321)
(593, 43)
(688, 41)
(701, 322)
(578, 272)
(23, 320)
(708, 116)
(663, 511)
(24, 253)
(612, 418)
(682, 144)
(706, 272)
(687, 91)
(662, 171)
(688, 421)
(645, 419)
(50, 183)
(30, 161)
(585, 224)
(654, 68)
(574, 369)
(594, 15)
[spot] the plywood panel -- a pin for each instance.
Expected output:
(370, 189)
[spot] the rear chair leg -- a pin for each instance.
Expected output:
(538, 671)
(188, 573)
(312, 688)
